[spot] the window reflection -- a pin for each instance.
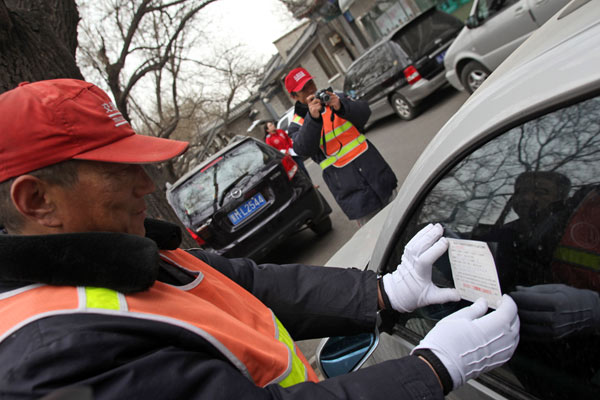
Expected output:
(533, 194)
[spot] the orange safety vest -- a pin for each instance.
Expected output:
(217, 309)
(576, 259)
(342, 140)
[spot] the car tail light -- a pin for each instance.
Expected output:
(197, 238)
(412, 75)
(290, 166)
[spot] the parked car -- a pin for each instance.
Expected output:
(286, 118)
(246, 199)
(494, 29)
(518, 167)
(400, 71)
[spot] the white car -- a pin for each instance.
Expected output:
(518, 166)
(494, 29)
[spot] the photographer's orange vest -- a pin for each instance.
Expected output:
(235, 322)
(343, 142)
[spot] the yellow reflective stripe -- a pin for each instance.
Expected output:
(298, 119)
(337, 131)
(578, 257)
(101, 298)
(298, 372)
(343, 151)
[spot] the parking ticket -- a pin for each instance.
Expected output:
(474, 271)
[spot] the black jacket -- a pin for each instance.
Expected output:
(360, 187)
(120, 357)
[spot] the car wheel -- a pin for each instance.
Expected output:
(403, 108)
(473, 75)
(321, 227)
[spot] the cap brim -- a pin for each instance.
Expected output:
(136, 149)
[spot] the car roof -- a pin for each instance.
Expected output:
(192, 172)
(557, 63)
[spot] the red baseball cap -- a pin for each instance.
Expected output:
(47, 122)
(296, 79)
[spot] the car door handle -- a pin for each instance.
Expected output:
(520, 11)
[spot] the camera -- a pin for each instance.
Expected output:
(323, 95)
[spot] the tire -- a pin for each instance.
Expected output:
(402, 107)
(472, 75)
(321, 227)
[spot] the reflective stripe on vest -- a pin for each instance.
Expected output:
(350, 142)
(298, 119)
(343, 151)
(578, 257)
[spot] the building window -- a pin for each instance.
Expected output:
(324, 61)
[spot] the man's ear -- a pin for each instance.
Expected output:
(30, 197)
(294, 96)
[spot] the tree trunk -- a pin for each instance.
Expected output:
(38, 41)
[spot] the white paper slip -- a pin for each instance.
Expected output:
(474, 271)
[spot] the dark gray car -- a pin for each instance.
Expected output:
(400, 71)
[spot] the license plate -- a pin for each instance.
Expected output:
(249, 207)
(440, 57)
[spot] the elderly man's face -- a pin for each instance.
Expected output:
(107, 197)
(534, 196)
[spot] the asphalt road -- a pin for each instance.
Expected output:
(401, 143)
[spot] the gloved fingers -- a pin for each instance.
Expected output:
(430, 255)
(549, 288)
(424, 239)
(533, 301)
(505, 315)
(436, 295)
(471, 312)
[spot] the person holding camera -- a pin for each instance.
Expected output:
(327, 128)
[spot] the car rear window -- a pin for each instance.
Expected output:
(200, 195)
(420, 35)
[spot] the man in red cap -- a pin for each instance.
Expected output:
(329, 131)
(93, 295)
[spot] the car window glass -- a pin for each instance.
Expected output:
(533, 194)
(489, 8)
(199, 196)
(421, 34)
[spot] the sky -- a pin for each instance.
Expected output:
(253, 23)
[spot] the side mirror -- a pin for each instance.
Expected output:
(342, 354)
(472, 22)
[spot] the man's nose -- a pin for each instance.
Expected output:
(144, 184)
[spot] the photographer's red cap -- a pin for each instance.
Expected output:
(296, 79)
(47, 122)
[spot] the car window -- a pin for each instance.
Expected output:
(533, 194)
(489, 8)
(420, 35)
(200, 195)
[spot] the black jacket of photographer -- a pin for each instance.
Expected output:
(360, 187)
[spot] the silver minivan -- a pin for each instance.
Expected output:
(494, 29)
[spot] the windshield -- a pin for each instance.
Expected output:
(201, 195)
(420, 35)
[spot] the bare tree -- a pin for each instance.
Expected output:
(38, 41)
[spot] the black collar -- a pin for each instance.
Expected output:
(118, 261)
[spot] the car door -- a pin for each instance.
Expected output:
(542, 10)
(532, 193)
(504, 25)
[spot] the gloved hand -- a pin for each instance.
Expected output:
(469, 343)
(554, 311)
(409, 286)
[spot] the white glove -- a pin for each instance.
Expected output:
(409, 286)
(554, 311)
(469, 343)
